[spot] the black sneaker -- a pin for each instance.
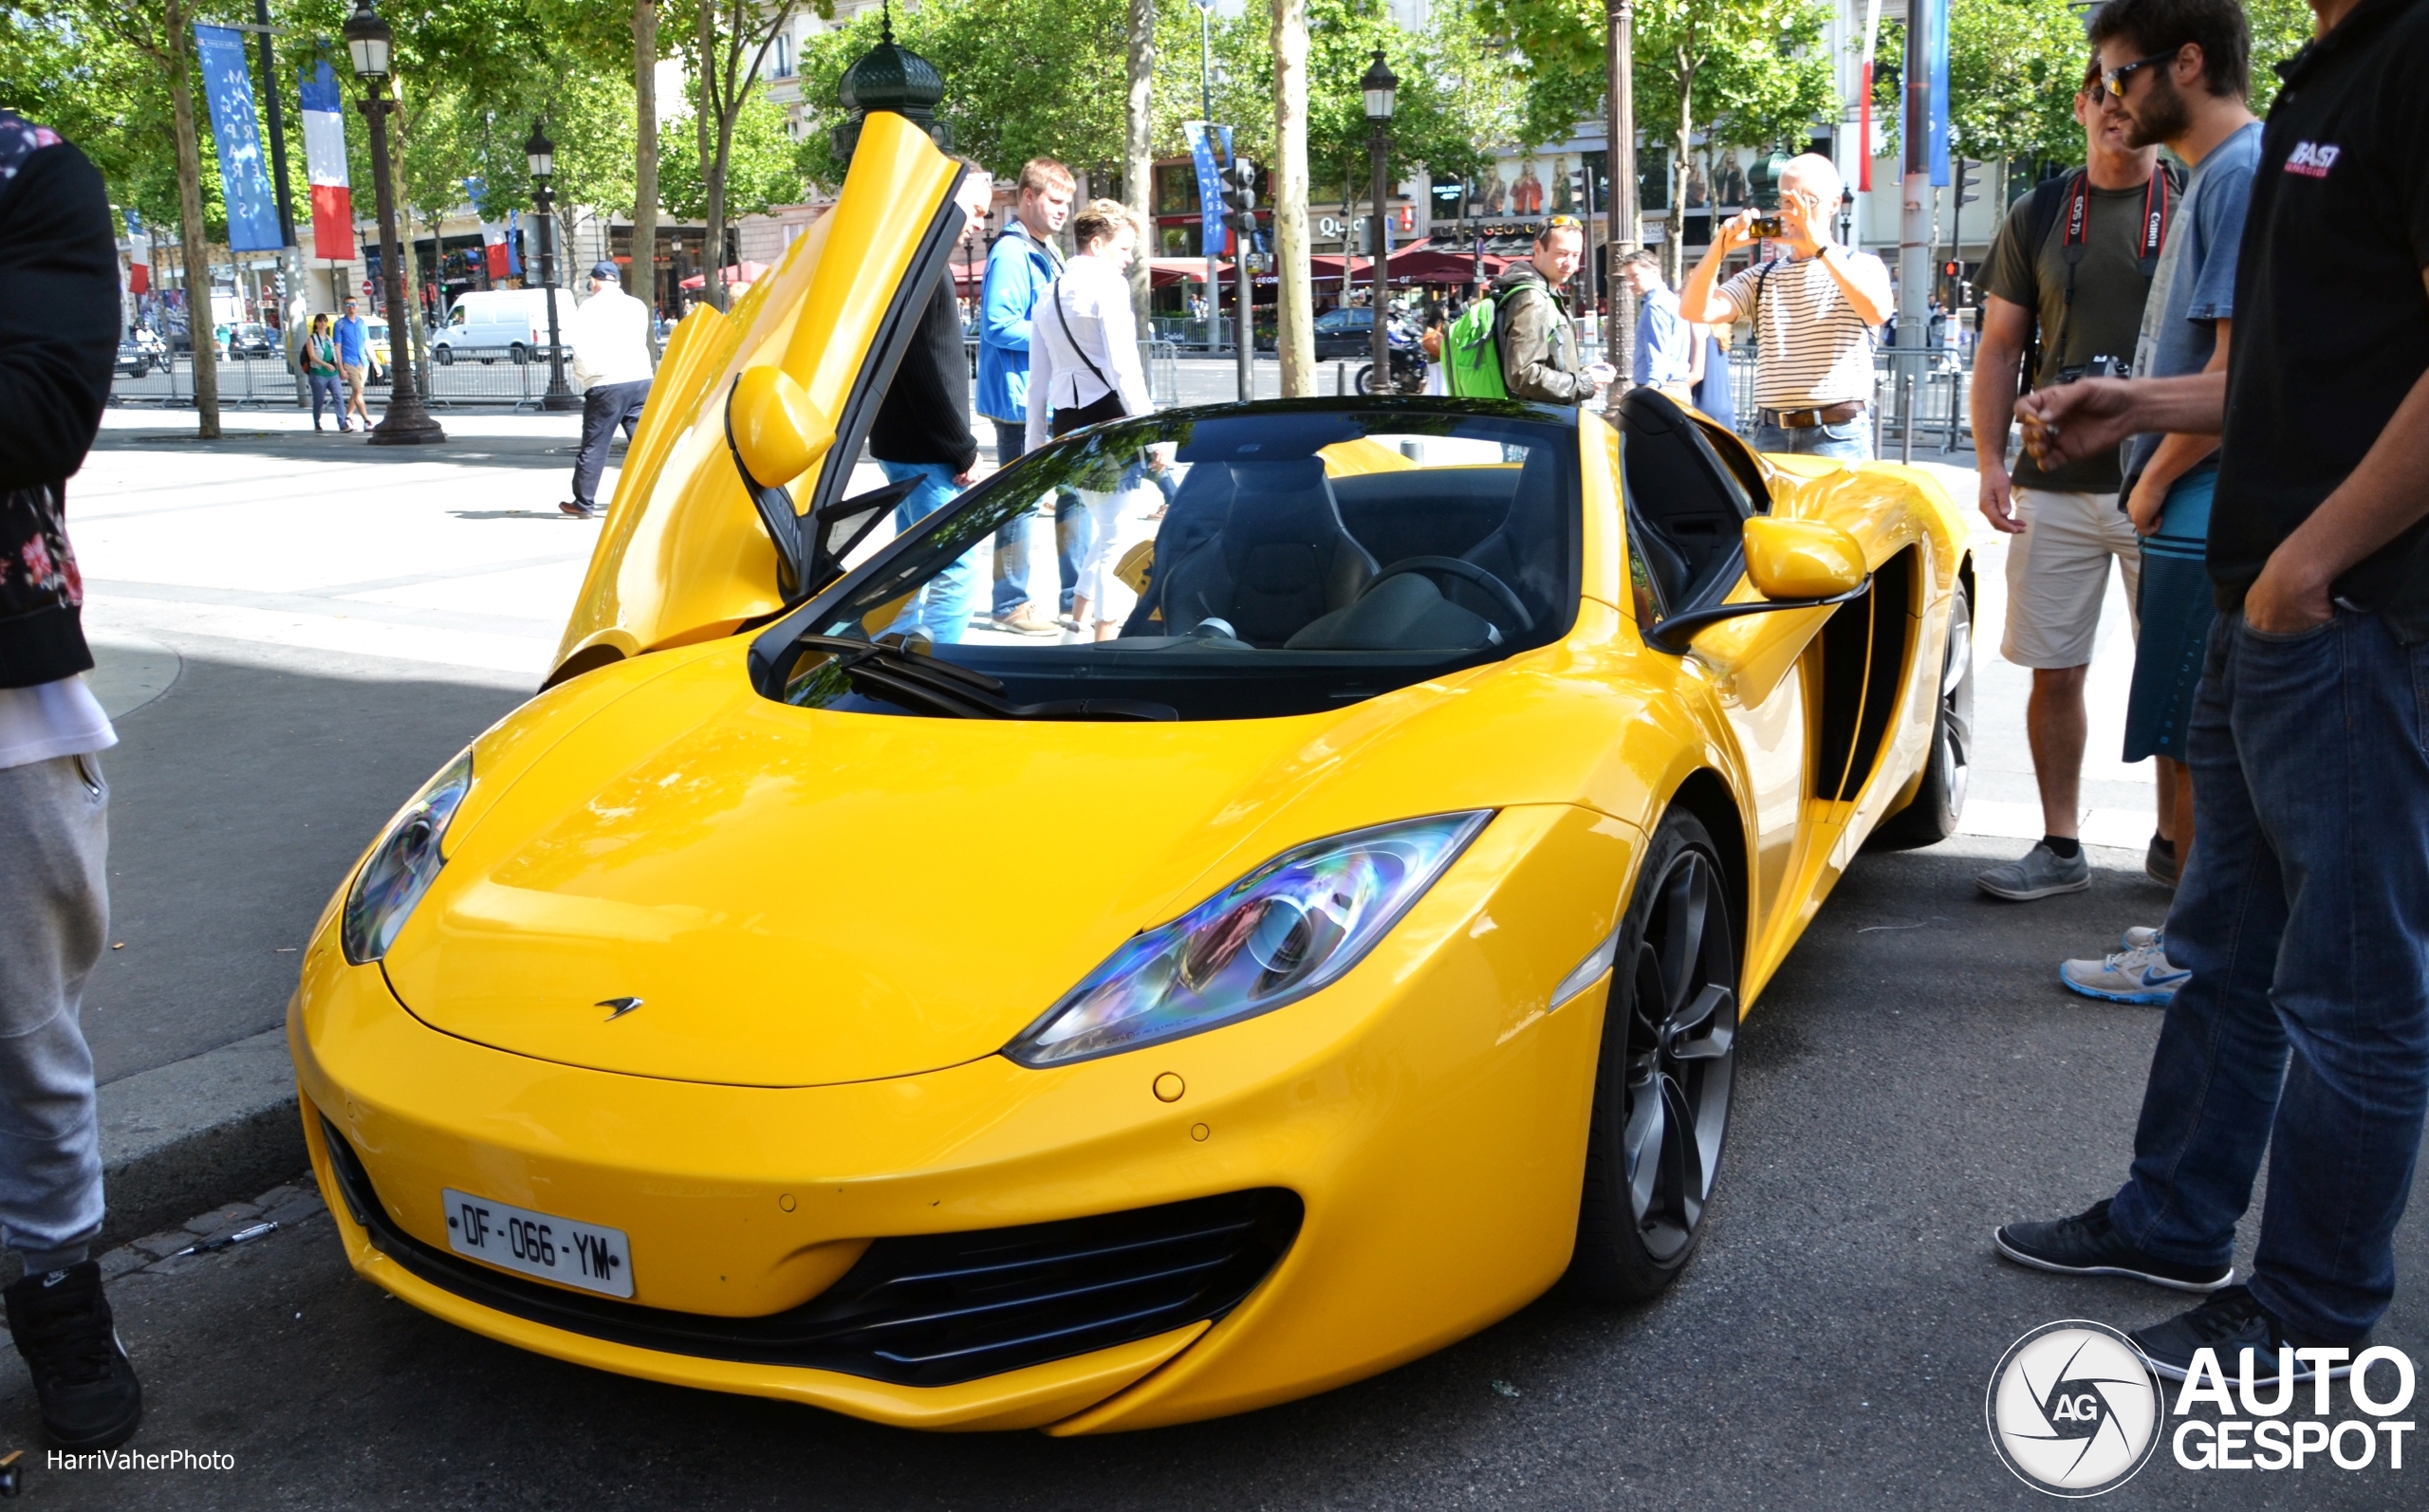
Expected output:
(62, 1326)
(2159, 863)
(2228, 1323)
(2086, 1245)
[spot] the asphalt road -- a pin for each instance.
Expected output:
(1914, 1078)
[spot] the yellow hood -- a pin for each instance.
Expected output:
(801, 898)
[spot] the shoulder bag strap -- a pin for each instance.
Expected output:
(1065, 320)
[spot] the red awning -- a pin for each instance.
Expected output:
(738, 273)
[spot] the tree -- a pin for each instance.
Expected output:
(1294, 332)
(731, 43)
(760, 164)
(644, 263)
(1138, 146)
(1747, 73)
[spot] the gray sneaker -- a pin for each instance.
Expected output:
(2143, 975)
(2042, 873)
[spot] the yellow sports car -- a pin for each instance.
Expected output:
(795, 999)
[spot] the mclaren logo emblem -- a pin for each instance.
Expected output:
(619, 1006)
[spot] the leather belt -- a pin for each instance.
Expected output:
(1807, 419)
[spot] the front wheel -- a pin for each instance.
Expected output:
(1932, 815)
(446, 356)
(1661, 1088)
(517, 354)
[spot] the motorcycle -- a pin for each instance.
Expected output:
(1404, 336)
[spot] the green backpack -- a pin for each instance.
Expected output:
(1471, 356)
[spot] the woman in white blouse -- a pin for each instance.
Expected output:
(1083, 368)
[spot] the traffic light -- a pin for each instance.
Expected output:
(1968, 177)
(1577, 190)
(1239, 195)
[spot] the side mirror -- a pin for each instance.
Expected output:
(1800, 559)
(1792, 564)
(778, 434)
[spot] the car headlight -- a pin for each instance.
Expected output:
(400, 866)
(1283, 931)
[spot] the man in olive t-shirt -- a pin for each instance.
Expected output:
(2084, 287)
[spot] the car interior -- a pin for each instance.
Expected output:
(1686, 506)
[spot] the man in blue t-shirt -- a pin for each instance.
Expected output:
(2187, 323)
(355, 357)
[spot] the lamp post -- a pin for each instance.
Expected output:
(370, 41)
(1620, 239)
(1378, 87)
(541, 155)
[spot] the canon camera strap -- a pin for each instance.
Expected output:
(2158, 202)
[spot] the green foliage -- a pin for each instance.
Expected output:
(762, 172)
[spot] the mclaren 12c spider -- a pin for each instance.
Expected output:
(1395, 881)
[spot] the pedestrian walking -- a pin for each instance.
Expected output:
(1531, 325)
(2170, 480)
(1665, 355)
(1021, 264)
(609, 334)
(357, 359)
(319, 353)
(922, 435)
(2303, 913)
(59, 313)
(1084, 369)
(1814, 312)
(2066, 278)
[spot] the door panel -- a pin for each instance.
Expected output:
(684, 555)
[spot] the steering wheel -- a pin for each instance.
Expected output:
(1498, 591)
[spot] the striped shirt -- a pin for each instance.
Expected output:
(1814, 349)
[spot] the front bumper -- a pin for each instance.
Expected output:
(1429, 1110)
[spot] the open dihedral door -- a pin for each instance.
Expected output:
(692, 547)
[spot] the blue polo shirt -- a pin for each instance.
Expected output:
(354, 341)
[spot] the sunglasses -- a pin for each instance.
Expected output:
(2113, 80)
(1563, 223)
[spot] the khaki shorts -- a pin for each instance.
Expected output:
(2058, 574)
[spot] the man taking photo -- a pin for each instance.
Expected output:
(2303, 914)
(2072, 262)
(1814, 312)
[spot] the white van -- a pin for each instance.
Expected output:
(490, 324)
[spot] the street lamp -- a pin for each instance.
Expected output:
(541, 154)
(1379, 87)
(370, 43)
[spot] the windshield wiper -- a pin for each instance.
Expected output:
(931, 685)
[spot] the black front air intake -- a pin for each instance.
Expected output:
(930, 1310)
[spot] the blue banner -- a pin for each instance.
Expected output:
(1936, 53)
(1210, 181)
(253, 207)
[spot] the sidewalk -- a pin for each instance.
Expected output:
(294, 631)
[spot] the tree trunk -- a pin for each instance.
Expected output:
(409, 266)
(1675, 247)
(192, 251)
(1294, 315)
(1139, 169)
(712, 162)
(642, 280)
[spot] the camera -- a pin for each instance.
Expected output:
(1770, 226)
(2098, 367)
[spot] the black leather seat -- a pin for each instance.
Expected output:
(1198, 511)
(1528, 549)
(1686, 513)
(1282, 557)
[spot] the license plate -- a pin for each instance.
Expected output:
(586, 1255)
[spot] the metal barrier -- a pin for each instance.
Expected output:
(1931, 411)
(268, 385)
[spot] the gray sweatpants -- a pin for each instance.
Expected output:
(54, 911)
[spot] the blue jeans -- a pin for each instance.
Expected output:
(1013, 538)
(2304, 917)
(1851, 441)
(940, 607)
(328, 385)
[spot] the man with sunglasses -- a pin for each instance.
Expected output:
(2072, 265)
(2303, 914)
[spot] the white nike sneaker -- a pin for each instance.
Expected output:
(2142, 975)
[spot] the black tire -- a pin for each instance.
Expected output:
(1932, 816)
(446, 356)
(1668, 1064)
(517, 354)
(1364, 381)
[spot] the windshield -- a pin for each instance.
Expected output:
(1238, 562)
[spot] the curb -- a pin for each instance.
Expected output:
(192, 1135)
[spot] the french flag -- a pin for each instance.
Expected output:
(325, 165)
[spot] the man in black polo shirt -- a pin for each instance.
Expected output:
(2304, 917)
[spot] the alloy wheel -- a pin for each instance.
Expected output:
(1682, 1054)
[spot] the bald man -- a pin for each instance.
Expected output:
(1815, 307)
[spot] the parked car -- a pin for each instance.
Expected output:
(374, 334)
(1346, 333)
(251, 340)
(141, 352)
(491, 324)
